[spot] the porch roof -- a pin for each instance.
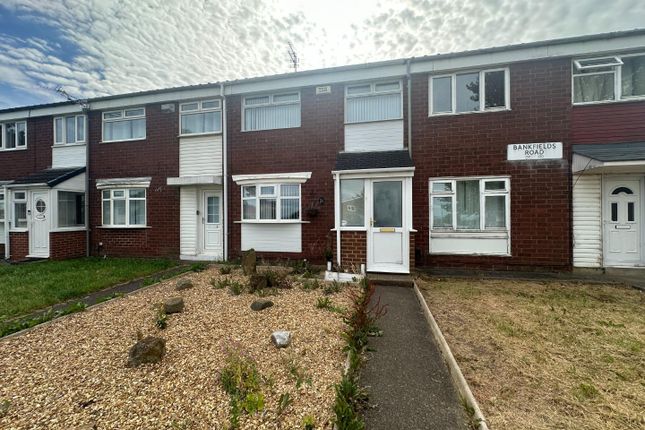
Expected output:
(609, 158)
(48, 177)
(373, 160)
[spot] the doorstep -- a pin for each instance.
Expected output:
(391, 279)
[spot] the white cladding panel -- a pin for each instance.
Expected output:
(587, 221)
(1, 235)
(68, 156)
(200, 155)
(77, 183)
(469, 245)
(188, 220)
(374, 136)
(276, 237)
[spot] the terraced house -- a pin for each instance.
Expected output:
(525, 156)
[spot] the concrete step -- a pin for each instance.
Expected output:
(391, 279)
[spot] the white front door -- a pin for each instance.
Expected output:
(212, 223)
(622, 222)
(39, 224)
(387, 231)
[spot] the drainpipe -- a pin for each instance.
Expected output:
(86, 111)
(5, 190)
(224, 172)
(409, 79)
(337, 217)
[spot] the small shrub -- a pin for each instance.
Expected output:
(235, 288)
(220, 283)
(277, 279)
(284, 402)
(198, 267)
(310, 285)
(309, 422)
(326, 303)
(4, 408)
(241, 380)
(298, 374)
(586, 391)
(226, 269)
(331, 288)
(162, 318)
(348, 397)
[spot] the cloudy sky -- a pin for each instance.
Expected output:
(100, 47)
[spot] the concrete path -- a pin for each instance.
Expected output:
(407, 380)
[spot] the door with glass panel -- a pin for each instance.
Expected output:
(622, 223)
(387, 235)
(39, 225)
(211, 221)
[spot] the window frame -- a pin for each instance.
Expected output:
(121, 118)
(372, 93)
(63, 118)
(277, 195)
(56, 225)
(13, 215)
(362, 227)
(3, 140)
(3, 209)
(482, 91)
(201, 109)
(126, 197)
(271, 102)
(483, 193)
(616, 70)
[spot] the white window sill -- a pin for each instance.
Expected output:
(474, 112)
(214, 133)
(19, 230)
(470, 234)
(610, 102)
(269, 129)
(65, 145)
(375, 120)
(67, 229)
(472, 254)
(22, 148)
(124, 140)
(123, 227)
(271, 222)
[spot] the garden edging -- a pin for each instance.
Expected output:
(455, 372)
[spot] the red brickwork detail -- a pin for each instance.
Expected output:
(353, 249)
(37, 156)
(18, 245)
(608, 123)
(66, 244)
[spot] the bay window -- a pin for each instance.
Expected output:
(612, 78)
(127, 124)
(13, 135)
(271, 111)
(479, 204)
(478, 91)
(271, 202)
(200, 117)
(71, 209)
(69, 129)
(124, 207)
(19, 209)
(377, 101)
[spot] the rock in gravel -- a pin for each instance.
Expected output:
(184, 284)
(260, 304)
(281, 338)
(249, 262)
(150, 349)
(173, 305)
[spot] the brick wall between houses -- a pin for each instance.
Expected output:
(19, 245)
(158, 157)
(476, 144)
(37, 156)
(608, 123)
(66, 244)
(2, 251)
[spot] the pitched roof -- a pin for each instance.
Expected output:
(49, 177)
(372, 160)
(612, 151)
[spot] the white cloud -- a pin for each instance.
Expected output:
(131, 46)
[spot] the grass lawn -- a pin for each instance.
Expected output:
(547, 355)
(31, 286)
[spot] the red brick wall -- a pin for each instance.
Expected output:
(158, 157)
(608, 123)
(475, 144)
(18, 245)
(1, 251)
(353, 250)
(66, 244)
(37, 156)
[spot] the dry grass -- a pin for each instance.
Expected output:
(72, 374)
(547, 355)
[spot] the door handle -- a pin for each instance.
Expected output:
(371, 222)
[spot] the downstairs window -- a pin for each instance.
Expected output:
(271, 202)
(124, 207)
(71, 209)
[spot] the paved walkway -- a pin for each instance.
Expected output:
(408, 382)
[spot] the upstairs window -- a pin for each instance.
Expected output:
(69, 129)
(479, 91)
(271, 202)
(13, 135)
(377, 101)
(124, 207)
(127, 124)
(19, 209)
(273, 111)
(200, 117)
(608, 78)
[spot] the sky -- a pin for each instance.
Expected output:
(93, 48)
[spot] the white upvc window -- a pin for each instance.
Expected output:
(471, 91)
(352, 203)
(200, 117)
(70, 129)
(271, 111)
(124, 207)
(606, 79)
(19, 210)
(123, 125)
(271, 202)
(470, 204)
(13, 135)
(374, 101)
(70, 208)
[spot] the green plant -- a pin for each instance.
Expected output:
(298, 374)
(348, 396)
(162, 319)
(220, 283)
(235, 288)
(109, 297)
(198, 267)
(4, 408)
(331, 288)
(226, 269)
(309, 422)
(284, 402)
(241, 380)
(18, 325)
(276, 279)
(309, 285)
(326, 303)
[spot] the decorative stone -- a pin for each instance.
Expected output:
(173, 305)
(249, 262)
(150, 349)
(260, 304)
(281, 338)
(184, 284)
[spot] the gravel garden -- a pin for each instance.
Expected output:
(199, 351)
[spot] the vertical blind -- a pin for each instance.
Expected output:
(374, 108)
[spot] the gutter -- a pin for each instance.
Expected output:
(409, 112)
(224, 172)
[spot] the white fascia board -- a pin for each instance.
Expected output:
(393, 172)
(170, 96)
(297, 178)
(195, 180)
(574, 49)
(123, 183)
(36, 112)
